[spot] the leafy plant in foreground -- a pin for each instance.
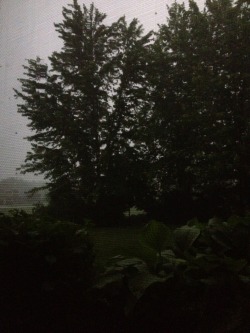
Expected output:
(45, 269)
(201, 283)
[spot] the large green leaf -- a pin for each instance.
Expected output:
(110, 281)
(170, 258)
(185, 236)
(141, 282)
(126, 266)
(234, 265)
(157, 236)
(205, 262)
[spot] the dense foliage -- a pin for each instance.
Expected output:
(84, 109)
(200, 146)
(46, 268)
(121, 118)
(196, 279)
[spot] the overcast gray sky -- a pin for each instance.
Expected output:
(27, 31)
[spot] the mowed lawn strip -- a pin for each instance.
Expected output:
(109, 242)
(6, 209)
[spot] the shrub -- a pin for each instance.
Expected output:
(45, 268)
(196, 279)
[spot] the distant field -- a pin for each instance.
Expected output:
(6, 208)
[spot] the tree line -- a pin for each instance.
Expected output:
(156, 120)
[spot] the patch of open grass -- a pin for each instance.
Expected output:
(7, 208)
(109, 242)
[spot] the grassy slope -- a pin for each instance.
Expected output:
(109, 242)
(6, 208)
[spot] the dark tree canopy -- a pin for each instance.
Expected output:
(85, 108)
(120, 119)
(201, 108)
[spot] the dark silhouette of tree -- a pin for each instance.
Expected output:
(122, 120)
(84, 108)
(200, 121)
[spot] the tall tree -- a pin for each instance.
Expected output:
(201, 106)
(82, 108)
(230, 26)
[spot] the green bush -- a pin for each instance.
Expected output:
(199, 282)
(45, 268)
(195, 278)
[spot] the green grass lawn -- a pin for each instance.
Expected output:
(109, 242)
(6, 208)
